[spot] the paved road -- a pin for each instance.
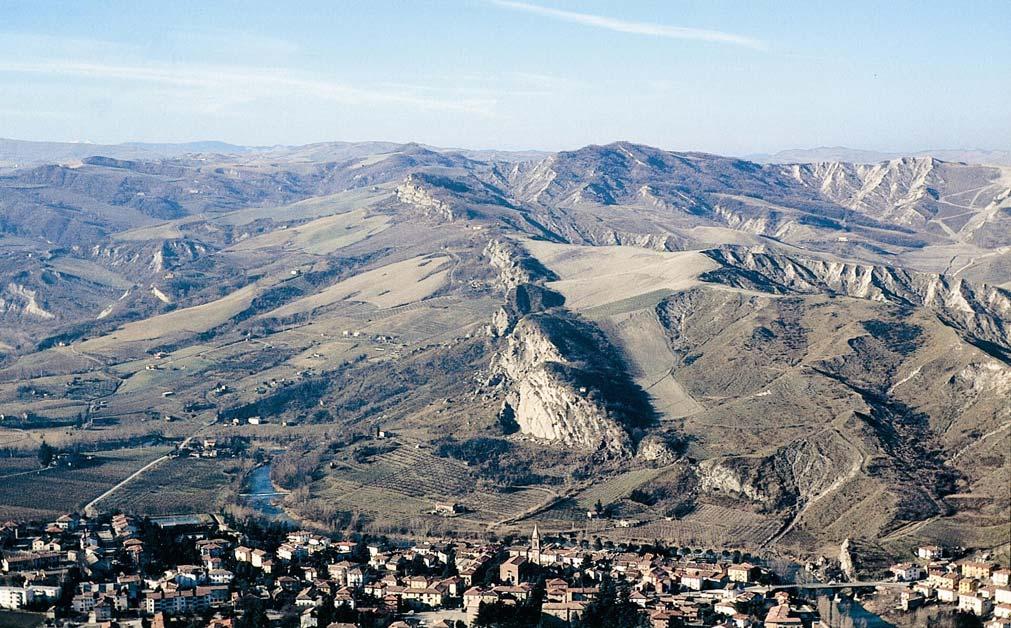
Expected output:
(29, 472)
(89, 508)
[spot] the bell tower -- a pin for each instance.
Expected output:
(535, 546)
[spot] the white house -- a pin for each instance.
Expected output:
(14, 598)
(944, 594)
(906, 572)
(930, 552)
(189, 576)
(974, 604)
(220, 576)
(1002, 595)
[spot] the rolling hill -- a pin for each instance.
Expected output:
(762, 355)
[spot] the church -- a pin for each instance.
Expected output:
(544, 555)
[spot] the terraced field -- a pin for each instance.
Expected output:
(412, 472)
(709, 526)
(181, 485)
(613, 489)
(414, 479)
(506, 503)
(20, 464)
(67, 490)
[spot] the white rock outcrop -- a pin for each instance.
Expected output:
(545, 403)
(543, 358)
(980, 311)
(413, 192)
(654, 448)
(18, 299)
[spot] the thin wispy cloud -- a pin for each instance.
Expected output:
(212, 41)
(649, 29)
(247, 83)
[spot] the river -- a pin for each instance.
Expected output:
(260, 495)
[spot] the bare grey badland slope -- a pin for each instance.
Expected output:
(778, 356)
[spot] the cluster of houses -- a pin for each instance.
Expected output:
(690, 590)
(432, 576)
(975, 584)
(99, 572)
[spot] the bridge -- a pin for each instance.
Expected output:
(827, 585)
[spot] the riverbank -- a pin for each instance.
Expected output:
(261, 495)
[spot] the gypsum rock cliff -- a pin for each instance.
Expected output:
(979, 312)
(560, 373)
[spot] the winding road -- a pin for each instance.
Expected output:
(90, 508)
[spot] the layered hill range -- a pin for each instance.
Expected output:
(815, 351)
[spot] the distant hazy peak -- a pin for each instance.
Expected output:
(858, 156)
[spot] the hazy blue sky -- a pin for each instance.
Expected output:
(728, 77)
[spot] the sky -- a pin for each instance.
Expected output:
(725, 77)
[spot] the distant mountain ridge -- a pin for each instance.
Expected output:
(858, 156)
(23, 153)
(26, 153)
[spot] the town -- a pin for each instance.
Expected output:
(204, 570)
